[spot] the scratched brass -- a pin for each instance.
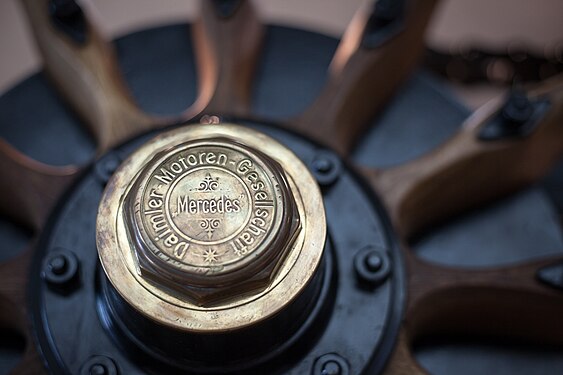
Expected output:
(208, 206)
(211, 218)
(211, 213)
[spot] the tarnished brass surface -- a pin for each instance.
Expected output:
(211, 219)
(211, 228)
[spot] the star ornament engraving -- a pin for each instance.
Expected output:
(210, 256)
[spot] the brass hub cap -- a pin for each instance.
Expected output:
(211, 218)
(203, 230)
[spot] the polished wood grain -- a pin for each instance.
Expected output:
(507, 302)
(29, 189)
(502, 301)
(228, 49)
(88, 77)
(402, 361)
(466, 172)
(361, 80)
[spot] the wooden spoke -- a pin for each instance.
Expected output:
(228, 39)
(468, 171)
(14, 274)
(507, 302)
(31, 363)
(13, 286)
(28, 188)
(370, 63)
(402, 361)
(86, 72)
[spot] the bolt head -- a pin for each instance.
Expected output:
(373, 262)
(372, 266)
(331, 364)
(518, 109)
(326, 167)
(331, 368)
(60, 269)
(58, 265)
(98, 369)
(99, 365)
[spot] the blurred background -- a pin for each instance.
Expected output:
(535, 26)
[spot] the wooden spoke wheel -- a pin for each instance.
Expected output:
(368, 128)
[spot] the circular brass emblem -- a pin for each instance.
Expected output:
(211, 228)
(208, 207)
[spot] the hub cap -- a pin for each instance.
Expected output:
(211, 217)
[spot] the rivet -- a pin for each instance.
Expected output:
(372, 265)
(326, 168)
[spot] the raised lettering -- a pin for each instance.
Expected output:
(166, 176)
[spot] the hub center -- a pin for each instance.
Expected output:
(211, 218)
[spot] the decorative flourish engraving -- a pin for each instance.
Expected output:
(210, 256)
(208, 184)
(209, 225)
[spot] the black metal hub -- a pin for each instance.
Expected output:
(82, 325)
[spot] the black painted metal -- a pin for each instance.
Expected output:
(386, 20)
(61, 270)
(372, 266)
(99, 365)
(552, 276)
(288, 343)
(326, 168)
(518, 118)
(331, 364)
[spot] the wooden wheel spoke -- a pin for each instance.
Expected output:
(508, 301)
(28, 188)
(13, 284)
(85, 70)
(402, 361)
(376, 54)
(228, 41)
(31, 363)
(13, 310)
(469, 170)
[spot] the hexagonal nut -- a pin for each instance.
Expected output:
(252, 270)
(247, 281)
